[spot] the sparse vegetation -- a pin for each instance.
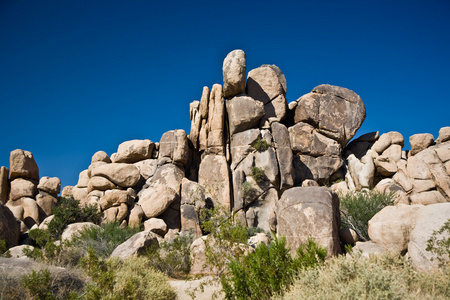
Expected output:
(260, 144)
(369, 278)
(172, 257)
(133, 278)
(4, 252)
(439, 244)
(258, 174)
(359, 207)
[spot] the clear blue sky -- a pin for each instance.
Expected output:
(78, 76)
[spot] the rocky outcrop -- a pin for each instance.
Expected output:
(251, 154)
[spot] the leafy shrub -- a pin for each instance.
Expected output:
(38, 285)
(104, 239)
(270, 270)
(359, 207)
(172, 257)
(258, 174)
(439, 244)
(247, 189)
(261, 144)
(68, 211)
(133, 278)
(43, 284)
(369, 278)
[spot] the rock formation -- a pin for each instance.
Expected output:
(254, 155)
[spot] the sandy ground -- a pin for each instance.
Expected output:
(183, 287)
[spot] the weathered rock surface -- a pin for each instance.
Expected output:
(335, 111)
(23, 165)
(189, 220)
(444, 135)
(100, 156)
(313, 211)
(243, 113)
(99, 183)
(51, 185)
(161, 190)
(284, 155)
(216, 122)
(428, 219)
(268, 85)
(46, 202)
(135, 245)
(22, 188)
(4, 184)
(174, 146)
(9, 227)
(234, 69)
(133, 151)
(73, 230)
(391, 227)
(156, 225)
(30, 210)
(124, 175)
(420, 142)
(114, 198)
(213, 176)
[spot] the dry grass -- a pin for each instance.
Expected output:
(373, 278)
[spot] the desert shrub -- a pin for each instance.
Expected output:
(270, 270)
(38, 285)
(172, 257)
(103, 240)
(359, 207)
(258, 174)
(369, 278)
(43, 284)
(439, 244)
(137, 279)
(133, 278)
(260, 144)
(68, 211)
(247, 189)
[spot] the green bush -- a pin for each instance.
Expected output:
(68, 211)
(258, 174)
(269, 271)
(375, 277)
(133, 278)
(359, 207)
(172, 257)
(43, 285)
(261, 144)
(38, 285)
(439, 244)
(102, 240)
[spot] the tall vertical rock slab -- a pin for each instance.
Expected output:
(284, 155)
(214, 177)
(309, 211)
(4, 185)
(234, 69)
(216, 121)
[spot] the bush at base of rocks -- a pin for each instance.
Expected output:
(359, 207)
(172, 257)
(375, 277)
(270, 270)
